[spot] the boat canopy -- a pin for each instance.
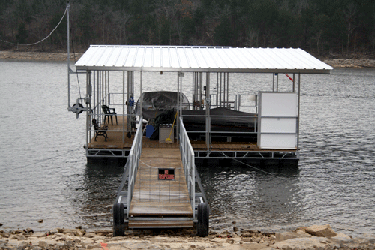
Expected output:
(200, 59)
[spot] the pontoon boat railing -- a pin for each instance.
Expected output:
(188, 161)
(133, 162)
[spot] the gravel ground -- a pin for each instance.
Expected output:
(319, 237)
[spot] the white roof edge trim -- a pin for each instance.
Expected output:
(180, 58)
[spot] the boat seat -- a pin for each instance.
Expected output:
(109, 112)
(99, 131)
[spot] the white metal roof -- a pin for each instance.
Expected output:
(200, 59)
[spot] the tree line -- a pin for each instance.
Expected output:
(319, 26)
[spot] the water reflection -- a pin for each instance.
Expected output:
(251, 196)
(94, 196)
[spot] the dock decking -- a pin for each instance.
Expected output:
(160, 199)
(117, 139)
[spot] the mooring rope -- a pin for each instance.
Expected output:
(30, 44)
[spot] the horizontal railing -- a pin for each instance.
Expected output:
(133, 162)
(254, 123)
(188, 162)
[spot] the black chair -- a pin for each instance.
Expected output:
(109, 112)
(99, 131)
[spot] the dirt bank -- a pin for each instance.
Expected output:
(314, 237)
(37, 56)
(44, 56)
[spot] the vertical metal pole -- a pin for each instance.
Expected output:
(68, 48)
(88, 127)
(299, 106)
(277, 83)
(140, 96)
(130, 94)
(224, 91)
(123, 106)
(294, 83)
(273, 82)
(98, 91)
(217, 89)
(228, 89)
(208, 106)
(221, 85)
(200, 90)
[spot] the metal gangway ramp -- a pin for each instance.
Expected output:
(158, 189)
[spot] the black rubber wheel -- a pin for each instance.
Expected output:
(118, 219)
(203, 216)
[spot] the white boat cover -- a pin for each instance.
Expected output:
(200, 59)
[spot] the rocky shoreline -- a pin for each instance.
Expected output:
(313, 237)
(45, 56)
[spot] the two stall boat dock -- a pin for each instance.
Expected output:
(161, 132)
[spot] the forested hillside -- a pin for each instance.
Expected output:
(320, 26)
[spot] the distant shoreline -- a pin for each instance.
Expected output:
(59, 57)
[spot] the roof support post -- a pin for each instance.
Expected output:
(200, 89)
(88, 113)
(208, 115)
(68, 48)
(130, 98)
(228, 105)
(140, 93)
(299, 107)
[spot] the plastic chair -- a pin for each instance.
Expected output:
(109, 112)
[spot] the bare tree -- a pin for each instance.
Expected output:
(349, 13)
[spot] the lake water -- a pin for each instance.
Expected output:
(44, 173)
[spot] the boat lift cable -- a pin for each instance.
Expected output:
(75, 60)
(260, 170)
(30, 44)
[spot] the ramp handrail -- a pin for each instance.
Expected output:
(188, 162)
(133, 162)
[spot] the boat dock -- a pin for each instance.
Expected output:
(161, 133)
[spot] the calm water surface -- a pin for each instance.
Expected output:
(44, 173)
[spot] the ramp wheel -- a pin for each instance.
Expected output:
(203, 214)
(118, 219)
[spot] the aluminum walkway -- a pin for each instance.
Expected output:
(160, 198)
(161, 188)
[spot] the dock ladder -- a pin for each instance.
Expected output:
(158, 189)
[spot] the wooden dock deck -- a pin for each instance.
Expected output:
(160, 199)
(117, 139)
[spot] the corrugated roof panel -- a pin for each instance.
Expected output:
(139, 58)
(190, 58)
(165, 63)
(184, 62)
(121, 60)
(245, 57)
(112, 59)
(148, 58)
(174, 59)
(105, 54)
(202, 64)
